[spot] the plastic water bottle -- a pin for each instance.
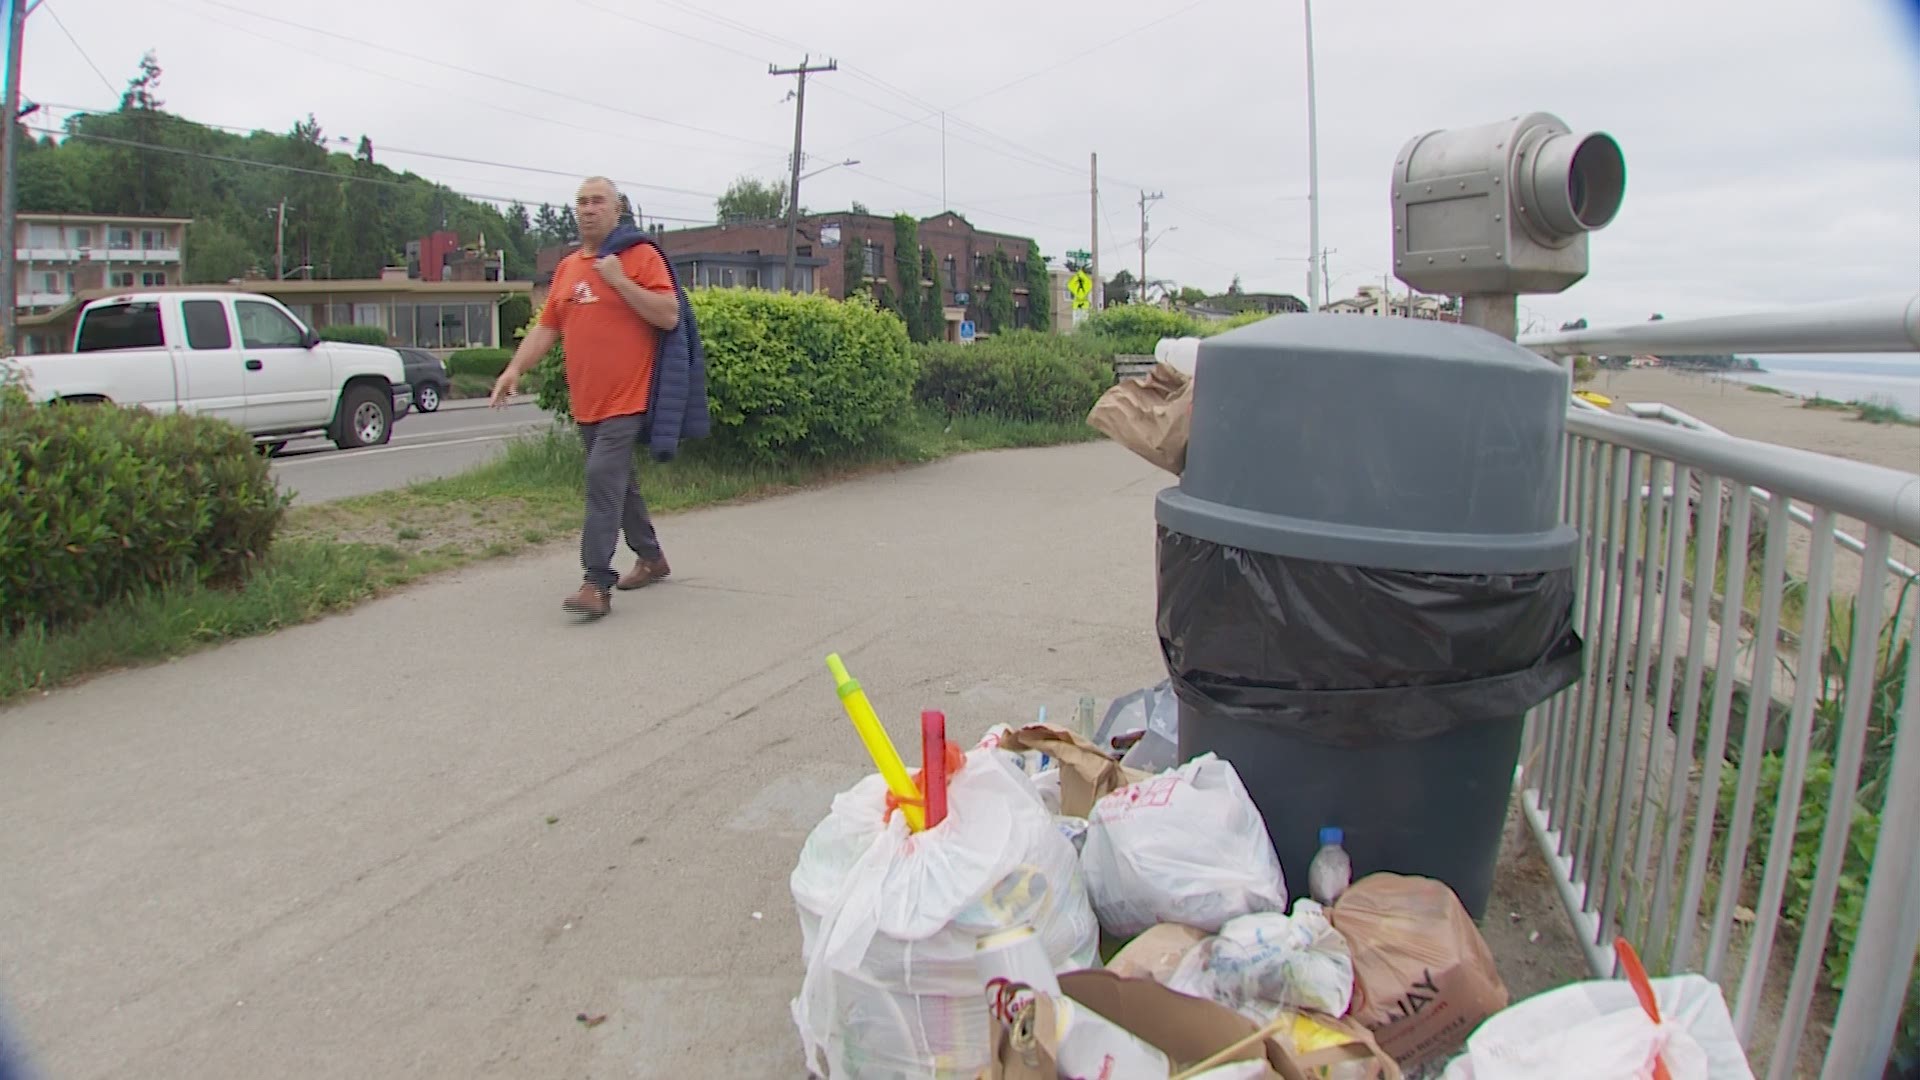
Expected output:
(1331, 871)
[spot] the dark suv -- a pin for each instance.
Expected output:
(427, 374)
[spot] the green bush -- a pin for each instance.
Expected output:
(1137, 328)
(1017, 375)
(100, 503)
(357, 335)
(516, 309)
(487, 362)
(787, 374)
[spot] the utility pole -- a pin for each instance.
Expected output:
(280, 240)
(799, 119)
(1144, 200)
(9, 160)
(1099, 289)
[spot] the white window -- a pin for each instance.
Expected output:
(50, 283)
(153, 278)
(80, 236)
(120, 280)
(369, 315)
(152, 238)
(43, 236)
(120, 239)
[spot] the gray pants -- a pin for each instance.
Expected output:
(614, 504)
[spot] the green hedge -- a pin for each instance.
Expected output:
(1019, 375)
(787, 374)
(516, 309)
(358, 335)
(1137, 328)
(99, 503)
(487, 362)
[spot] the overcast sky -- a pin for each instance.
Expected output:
(1773, 147)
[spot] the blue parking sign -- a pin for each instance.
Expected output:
(966, 330)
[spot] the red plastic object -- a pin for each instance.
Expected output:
(1642, 989)
(933, 758)
(956, 759)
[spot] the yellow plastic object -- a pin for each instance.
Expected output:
(879, 746)
(1589, 396)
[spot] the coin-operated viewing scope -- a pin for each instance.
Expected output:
(1504, 208)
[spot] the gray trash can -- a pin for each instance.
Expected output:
(1364, 583)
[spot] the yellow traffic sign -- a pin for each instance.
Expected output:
(1080, 285)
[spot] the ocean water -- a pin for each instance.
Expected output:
(1870, 377)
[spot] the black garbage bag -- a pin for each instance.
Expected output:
(1355, 656)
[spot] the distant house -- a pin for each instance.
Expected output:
(1369, 300)
(57, 256)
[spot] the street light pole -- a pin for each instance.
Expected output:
(1313, 169)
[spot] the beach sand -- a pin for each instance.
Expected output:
(1738, 409)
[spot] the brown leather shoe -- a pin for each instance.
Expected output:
(644, 573)
(591, 601)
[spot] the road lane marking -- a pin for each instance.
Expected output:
(356, 455)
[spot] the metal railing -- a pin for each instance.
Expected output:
(1720, 699)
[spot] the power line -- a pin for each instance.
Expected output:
(1051, 67)
(488, 75)
(296, 169)
(546, 119)
(616, 13)
(384, 149)
(55, 15)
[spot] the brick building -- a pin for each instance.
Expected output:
(753, 255)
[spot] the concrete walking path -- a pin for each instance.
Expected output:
(423, 837)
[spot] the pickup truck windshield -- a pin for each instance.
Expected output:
(120, 326)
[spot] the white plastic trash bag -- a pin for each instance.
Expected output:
(1598, 1031)
(1185, 847)
(1267, 962)
(889, 921)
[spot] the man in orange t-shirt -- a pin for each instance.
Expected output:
(608, 311)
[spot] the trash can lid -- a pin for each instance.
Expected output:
(1397, 443)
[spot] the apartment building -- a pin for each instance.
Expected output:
(59, 256)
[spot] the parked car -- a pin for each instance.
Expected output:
(427, 374)
(236, 356)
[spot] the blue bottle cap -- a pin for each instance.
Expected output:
(1330, 837)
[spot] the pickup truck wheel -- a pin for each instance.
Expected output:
(426, 397)
(366, 418)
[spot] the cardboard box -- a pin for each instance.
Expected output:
(1187, 1029)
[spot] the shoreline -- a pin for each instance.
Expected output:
(1755, 410)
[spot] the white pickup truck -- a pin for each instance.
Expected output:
(236, 356)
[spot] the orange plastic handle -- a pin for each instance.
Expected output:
(1642, 989)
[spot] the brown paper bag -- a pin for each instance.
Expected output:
(1156, 954)
(1423, 977)
(1086, 774)
(1151, 417)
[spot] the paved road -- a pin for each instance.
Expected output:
(424, 446)
(327, 852)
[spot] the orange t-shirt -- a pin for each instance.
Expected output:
(610, 349)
